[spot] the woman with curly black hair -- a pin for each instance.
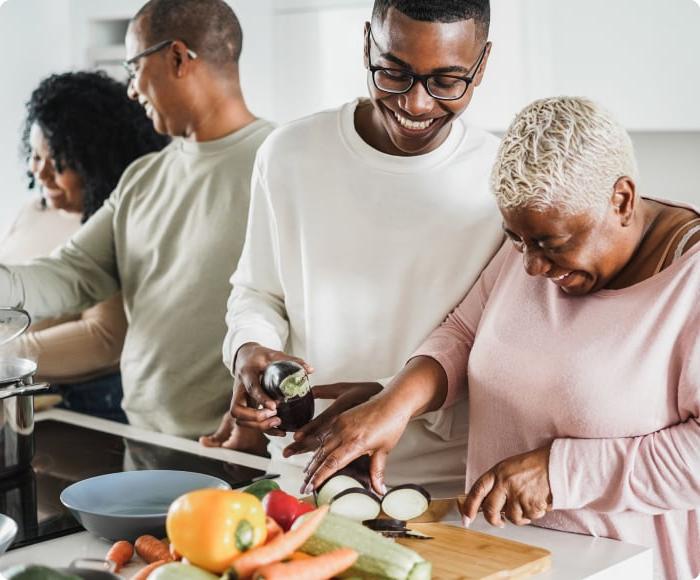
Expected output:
(80, 133)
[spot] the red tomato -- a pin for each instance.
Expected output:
(303, 508)
(284, 508)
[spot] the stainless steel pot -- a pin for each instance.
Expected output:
(92, 569)
(16, 400)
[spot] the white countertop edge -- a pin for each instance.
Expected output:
(574, 556)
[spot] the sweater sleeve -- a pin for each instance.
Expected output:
(76, 276)
(650, 473)
(78, 350)
(255, 309)
(451, 342)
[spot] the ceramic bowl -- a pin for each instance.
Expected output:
(126, 505)
(8, 531)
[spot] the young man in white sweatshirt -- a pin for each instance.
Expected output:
(367, 223)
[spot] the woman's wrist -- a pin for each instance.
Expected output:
(420, 387)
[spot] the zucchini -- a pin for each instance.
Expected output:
(379, 558)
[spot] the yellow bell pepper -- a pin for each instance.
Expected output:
(211, 527)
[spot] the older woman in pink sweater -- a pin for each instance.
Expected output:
(579, 350)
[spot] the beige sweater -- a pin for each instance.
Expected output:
(168, 237)
(73, 348)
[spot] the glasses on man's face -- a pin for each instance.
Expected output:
(130, 64)
(439, 86)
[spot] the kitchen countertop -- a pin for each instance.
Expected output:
(573, 556)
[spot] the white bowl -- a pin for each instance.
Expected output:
(128, 504)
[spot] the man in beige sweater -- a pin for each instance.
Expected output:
(173, 229)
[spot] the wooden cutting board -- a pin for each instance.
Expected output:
(457, 553)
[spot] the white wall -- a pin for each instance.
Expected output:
(641, 58)
(35, 41)
(669, 164)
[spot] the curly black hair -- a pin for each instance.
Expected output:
(91, 127)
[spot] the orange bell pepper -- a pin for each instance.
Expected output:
(211, 527)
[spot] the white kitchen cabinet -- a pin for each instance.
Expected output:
(639, 58)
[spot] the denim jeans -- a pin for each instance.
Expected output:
(100, 397)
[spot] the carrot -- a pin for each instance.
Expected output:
(273, 529)
(299, 556)
(120, 553)
(279, 548)
(151, 549)
(318, 568)
(145, 572)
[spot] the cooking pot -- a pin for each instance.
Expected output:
(16, 398)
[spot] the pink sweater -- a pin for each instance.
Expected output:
(613, 379)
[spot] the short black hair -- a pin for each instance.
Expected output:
(438, 11)
(91, 127)
(209, 27)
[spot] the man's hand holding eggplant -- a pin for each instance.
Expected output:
(251, 406)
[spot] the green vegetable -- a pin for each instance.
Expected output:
(380, 558)
(261, 488)
(178, 571)
(35, 572)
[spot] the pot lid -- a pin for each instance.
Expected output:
(13, 322)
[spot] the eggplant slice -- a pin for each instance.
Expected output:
(385, 525)
(333, 486)
(405, 502)
(356, 504)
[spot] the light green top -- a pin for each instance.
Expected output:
(169, 236)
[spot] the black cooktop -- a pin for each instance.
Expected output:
(67, 453)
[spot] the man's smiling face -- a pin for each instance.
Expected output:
(415, 122)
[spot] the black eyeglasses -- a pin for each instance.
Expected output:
(439, 86)
(129, 63)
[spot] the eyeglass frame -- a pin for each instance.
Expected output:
(127, 64)
(422, 78)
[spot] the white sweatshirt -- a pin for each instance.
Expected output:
(352, 257)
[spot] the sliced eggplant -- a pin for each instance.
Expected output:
(385, 525)
(333, 487)
(405, 502)
(356, 504)
(358, 469)
(407, 533)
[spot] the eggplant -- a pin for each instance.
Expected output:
(406, 502)
(287, 383)
(385, 525)
(394, 529)
(333, 486)
(359, 470)
(284, 380)
(356, 503)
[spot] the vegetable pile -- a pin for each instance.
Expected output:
(263, 533)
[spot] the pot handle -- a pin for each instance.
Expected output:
(27, 390)
(94, 564)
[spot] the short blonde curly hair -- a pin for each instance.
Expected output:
(563, 152)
